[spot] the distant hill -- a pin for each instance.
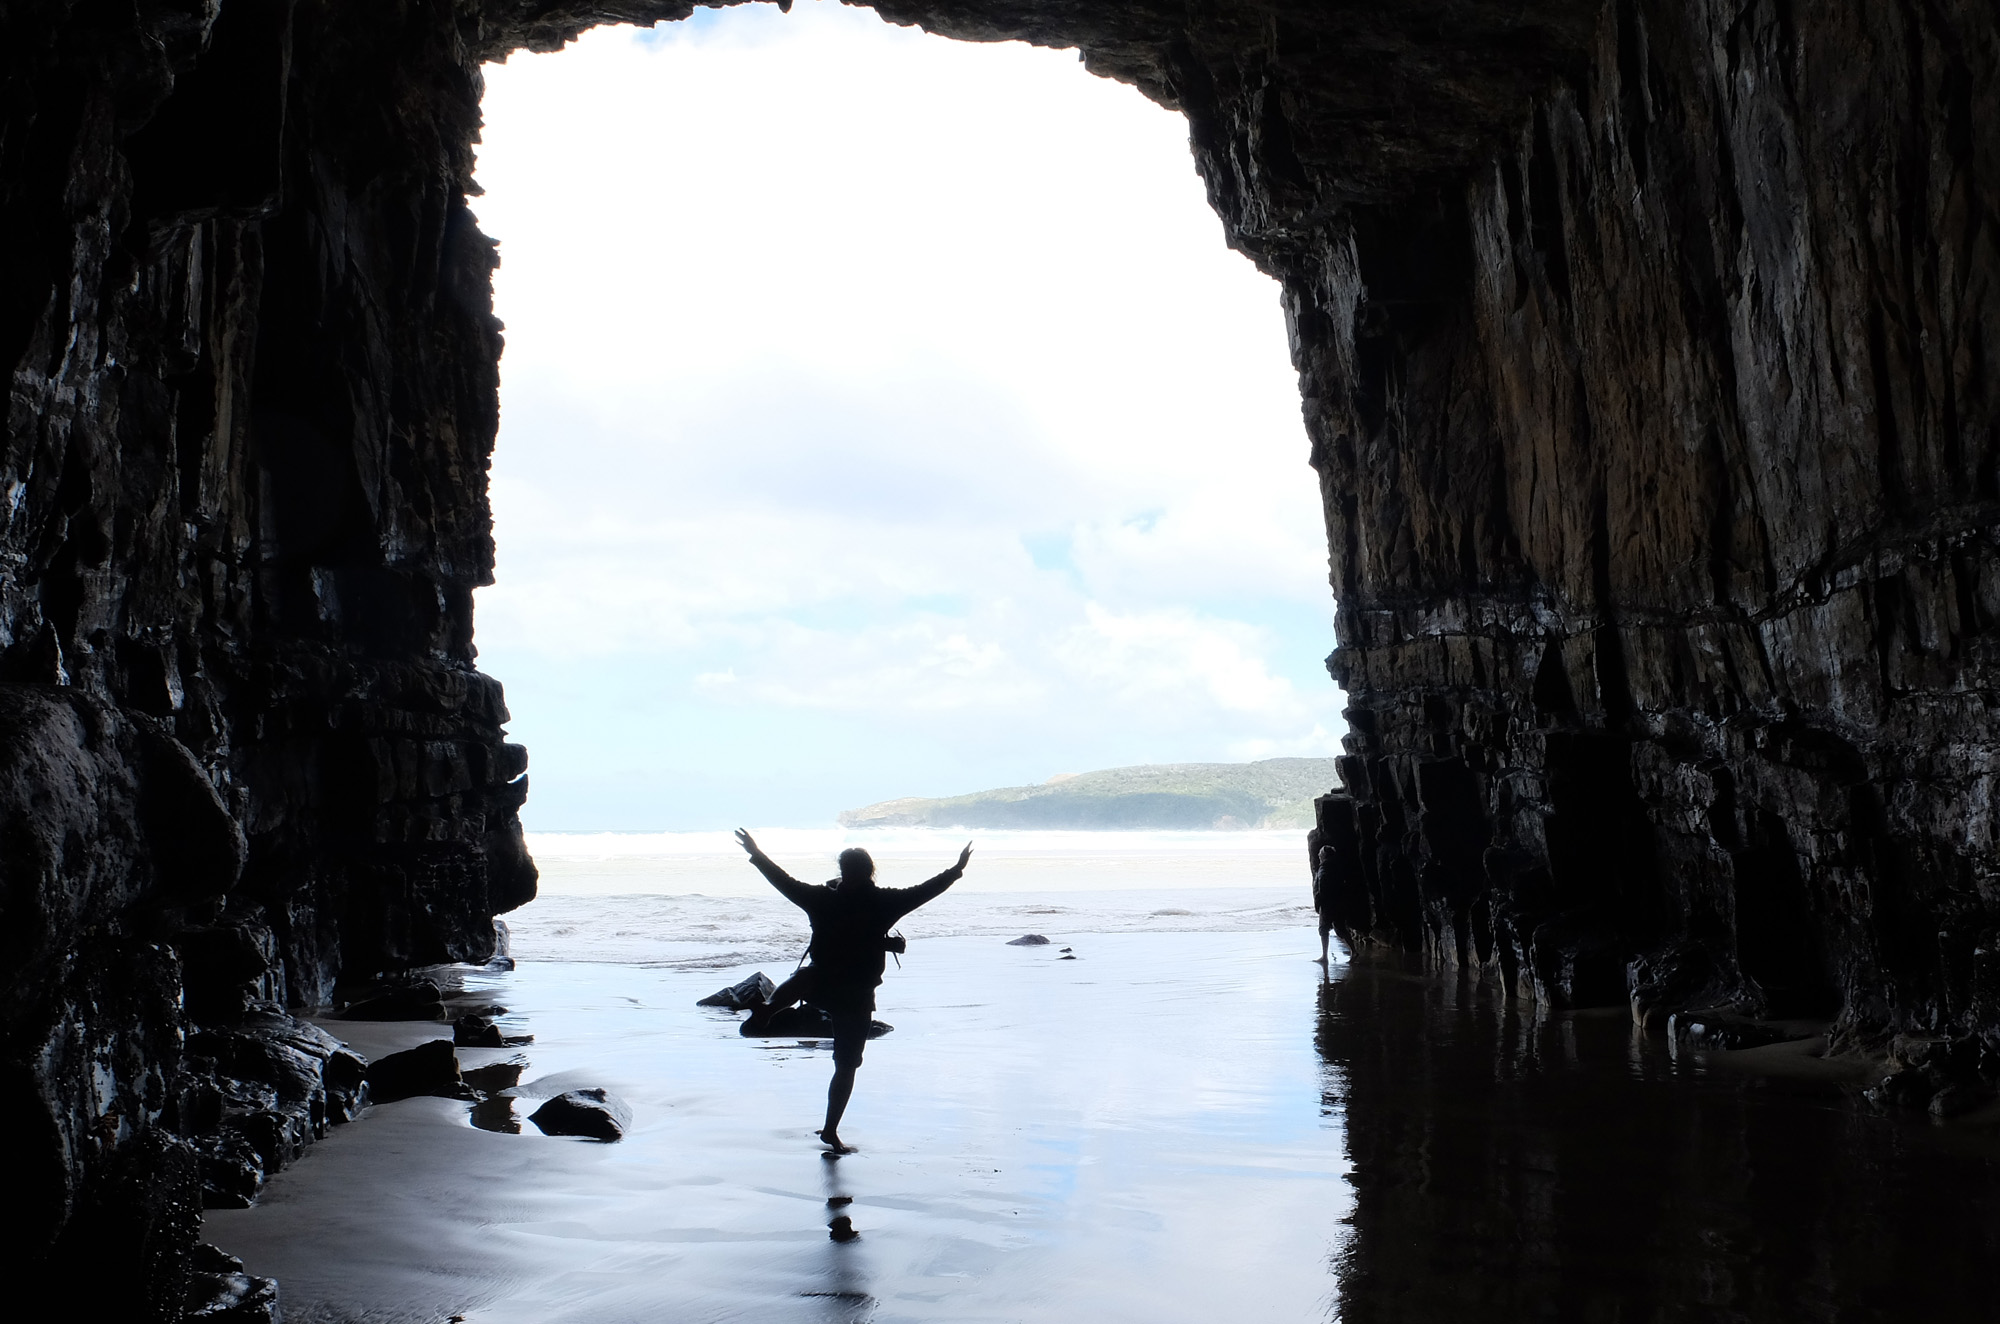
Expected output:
(1270, 793)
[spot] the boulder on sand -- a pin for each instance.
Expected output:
(593, 1114)
(752, 992)
(1029, 940)
(476, 1032)
(430, 1068)
(421, 1001)
(221, 1291)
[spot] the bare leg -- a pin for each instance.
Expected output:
(838, 1091)
(792, 990)
(1322, 946)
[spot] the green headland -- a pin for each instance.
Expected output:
(1270, 793)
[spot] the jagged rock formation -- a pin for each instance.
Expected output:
(1660, 465)
(252, 390)
(1647, 353)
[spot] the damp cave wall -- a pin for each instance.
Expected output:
(1659, 458)
(245, 754)
(1645, 353)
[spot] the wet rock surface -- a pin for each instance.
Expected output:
(592, 1114)
(1768, 1195)
(421, 1001)
(221, 1291)
(754, 991)
(804, 1022)
(256, 1093)
(1656, 456)
(1647, 355)
(430, 1068)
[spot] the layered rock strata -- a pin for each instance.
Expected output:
(252, 370)
(1647, 356)
(1662, 479)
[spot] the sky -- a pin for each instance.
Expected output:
(881, 415)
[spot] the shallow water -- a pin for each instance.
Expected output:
(1137, 1134)
(1175, 1126)
(1515, 1166)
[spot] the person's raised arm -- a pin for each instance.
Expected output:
(909, 898)
(794, 891)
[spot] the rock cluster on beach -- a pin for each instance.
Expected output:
(1647, 357)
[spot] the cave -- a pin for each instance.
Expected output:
(1647, 353)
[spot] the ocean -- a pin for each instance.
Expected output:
(686, 900)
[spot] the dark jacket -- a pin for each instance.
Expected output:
(849, 922)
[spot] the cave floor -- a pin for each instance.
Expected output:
(1172, 1127)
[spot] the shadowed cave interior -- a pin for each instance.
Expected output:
(1647, 353)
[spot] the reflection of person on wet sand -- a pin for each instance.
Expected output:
(851, 919)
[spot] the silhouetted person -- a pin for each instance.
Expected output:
(851, 918)
(1323, 895)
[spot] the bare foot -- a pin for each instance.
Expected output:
(831, 1139)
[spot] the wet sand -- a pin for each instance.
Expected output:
(1174, 1127)
(1138, 1134)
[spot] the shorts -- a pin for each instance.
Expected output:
(850, 1036)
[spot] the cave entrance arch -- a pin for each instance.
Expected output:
(930, 348)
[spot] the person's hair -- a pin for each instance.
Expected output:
(856, 866)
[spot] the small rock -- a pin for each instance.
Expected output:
(476, 1032)
(1065, 958)
(752, 992)
(346, 1077)
(1901, 1089)
(1029, 940)
(232, 1172)
(1953, 1100)
(430, 1068)
(593, 1114)
(220, 1291)
(1715, 1029)
(421, 1001)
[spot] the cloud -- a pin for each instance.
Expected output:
(883, 409)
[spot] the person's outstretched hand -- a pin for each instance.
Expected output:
(964, 855)
(749, 843)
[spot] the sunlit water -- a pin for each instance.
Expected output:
(691, 899)
(1183, 1125)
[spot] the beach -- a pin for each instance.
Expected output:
(1136, 1133)
(1185, 1122)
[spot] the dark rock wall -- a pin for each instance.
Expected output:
(1645, 350)
(1660, 467)
(252, 371)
